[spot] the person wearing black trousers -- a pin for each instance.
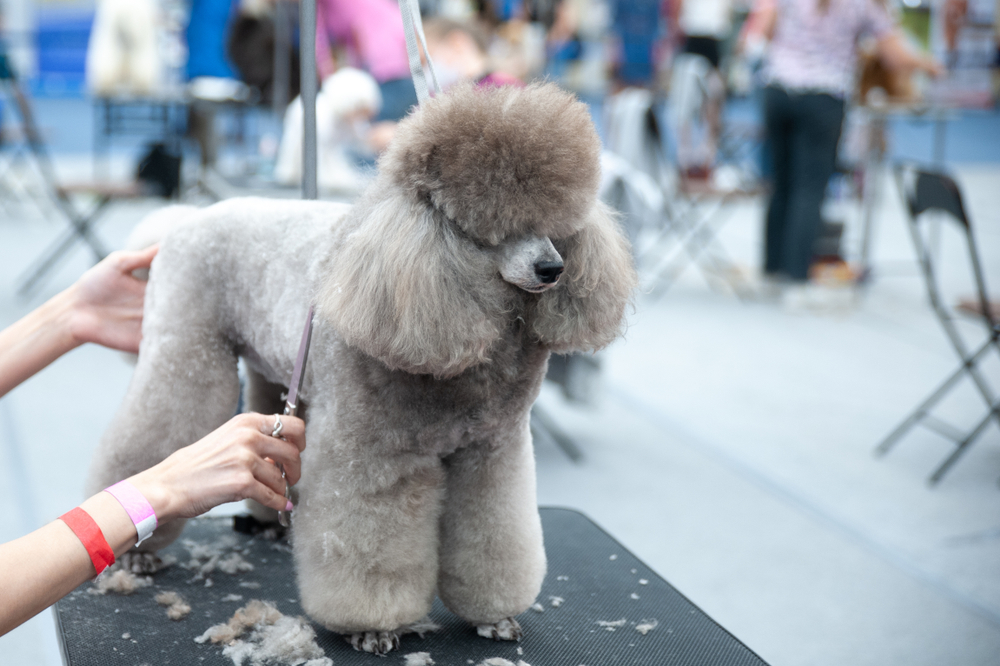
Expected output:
(809, 74)
(803, 130)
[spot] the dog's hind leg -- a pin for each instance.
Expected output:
(184, 386)
(492, 560)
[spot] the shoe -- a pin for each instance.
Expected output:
(771, 287)
(833, 273)
(817, 298)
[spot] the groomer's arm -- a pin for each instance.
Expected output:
(230, 464)
(103, 306)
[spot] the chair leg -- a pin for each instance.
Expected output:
(685, 253)
(45, 264)
(961, 447)
(918, 413)
(541, 421)
(80, 230)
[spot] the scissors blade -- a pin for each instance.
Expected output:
(299, 371)
(292, 401)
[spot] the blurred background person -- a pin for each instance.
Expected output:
(370, 34)
(636, 27)
(697, 88)
(809, 73)
(460, 52)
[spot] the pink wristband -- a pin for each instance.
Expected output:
(136, 506)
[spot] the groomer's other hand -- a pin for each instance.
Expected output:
(227, 465)
(107, 301)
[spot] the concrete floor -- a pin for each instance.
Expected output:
(731, 450)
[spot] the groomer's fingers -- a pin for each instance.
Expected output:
(265, 472)
(130, 261)
(293, 429)
(279, 451)
(264, 495)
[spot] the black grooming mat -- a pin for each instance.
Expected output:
(605, 593)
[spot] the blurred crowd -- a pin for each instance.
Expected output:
(803, 61)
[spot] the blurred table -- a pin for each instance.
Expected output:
(874, 159)
(161, 117)
(598, 579)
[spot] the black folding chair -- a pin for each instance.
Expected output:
(81, 221)
(926, 191)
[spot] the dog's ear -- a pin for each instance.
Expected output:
(585, 311)
(405, 290)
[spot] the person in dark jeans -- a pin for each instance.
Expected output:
(809, 74)
(803, 130)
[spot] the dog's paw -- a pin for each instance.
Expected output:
(506, 629)
(141, 563)
(378, 643)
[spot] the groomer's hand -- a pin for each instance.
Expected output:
(230, 464)
(106, 302)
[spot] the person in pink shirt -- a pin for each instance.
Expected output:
(809, 73)
(371, 34)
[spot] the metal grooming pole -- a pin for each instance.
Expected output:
(307, 56)
(282, 63)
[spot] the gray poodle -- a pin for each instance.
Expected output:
(479, 249)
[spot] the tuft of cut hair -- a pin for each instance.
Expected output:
(500, 161)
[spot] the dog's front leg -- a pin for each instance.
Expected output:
(492, 556)
(365, 536)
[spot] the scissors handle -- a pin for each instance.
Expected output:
(283, 518)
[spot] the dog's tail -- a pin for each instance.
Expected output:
(154, 227)
(149, 231)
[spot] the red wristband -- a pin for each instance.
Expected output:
(91, 536)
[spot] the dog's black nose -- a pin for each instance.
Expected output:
(548, 271)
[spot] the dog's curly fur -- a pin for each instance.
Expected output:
(419, 472)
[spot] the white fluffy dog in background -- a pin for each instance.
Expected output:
(344, 105)
(122, 54)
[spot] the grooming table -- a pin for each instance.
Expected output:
(593, 573)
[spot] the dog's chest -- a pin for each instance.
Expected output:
(482, 405)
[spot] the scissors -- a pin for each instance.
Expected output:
(291, 401)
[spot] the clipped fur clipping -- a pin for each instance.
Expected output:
(419, 659)
(260, 634)
(119, 582)
(646, 626)
(177, 608)
(221, 555)
(421, 627)
(611, 625)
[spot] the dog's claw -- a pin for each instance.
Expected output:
(506, 629)
(379, 643)
(140, 563)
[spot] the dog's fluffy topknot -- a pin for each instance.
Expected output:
(500, 161)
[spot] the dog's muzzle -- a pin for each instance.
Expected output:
(548, 271)
(531, 263)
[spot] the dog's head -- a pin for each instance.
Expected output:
(485, 210)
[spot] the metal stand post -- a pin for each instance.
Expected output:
(307, 53)
(282, 63)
